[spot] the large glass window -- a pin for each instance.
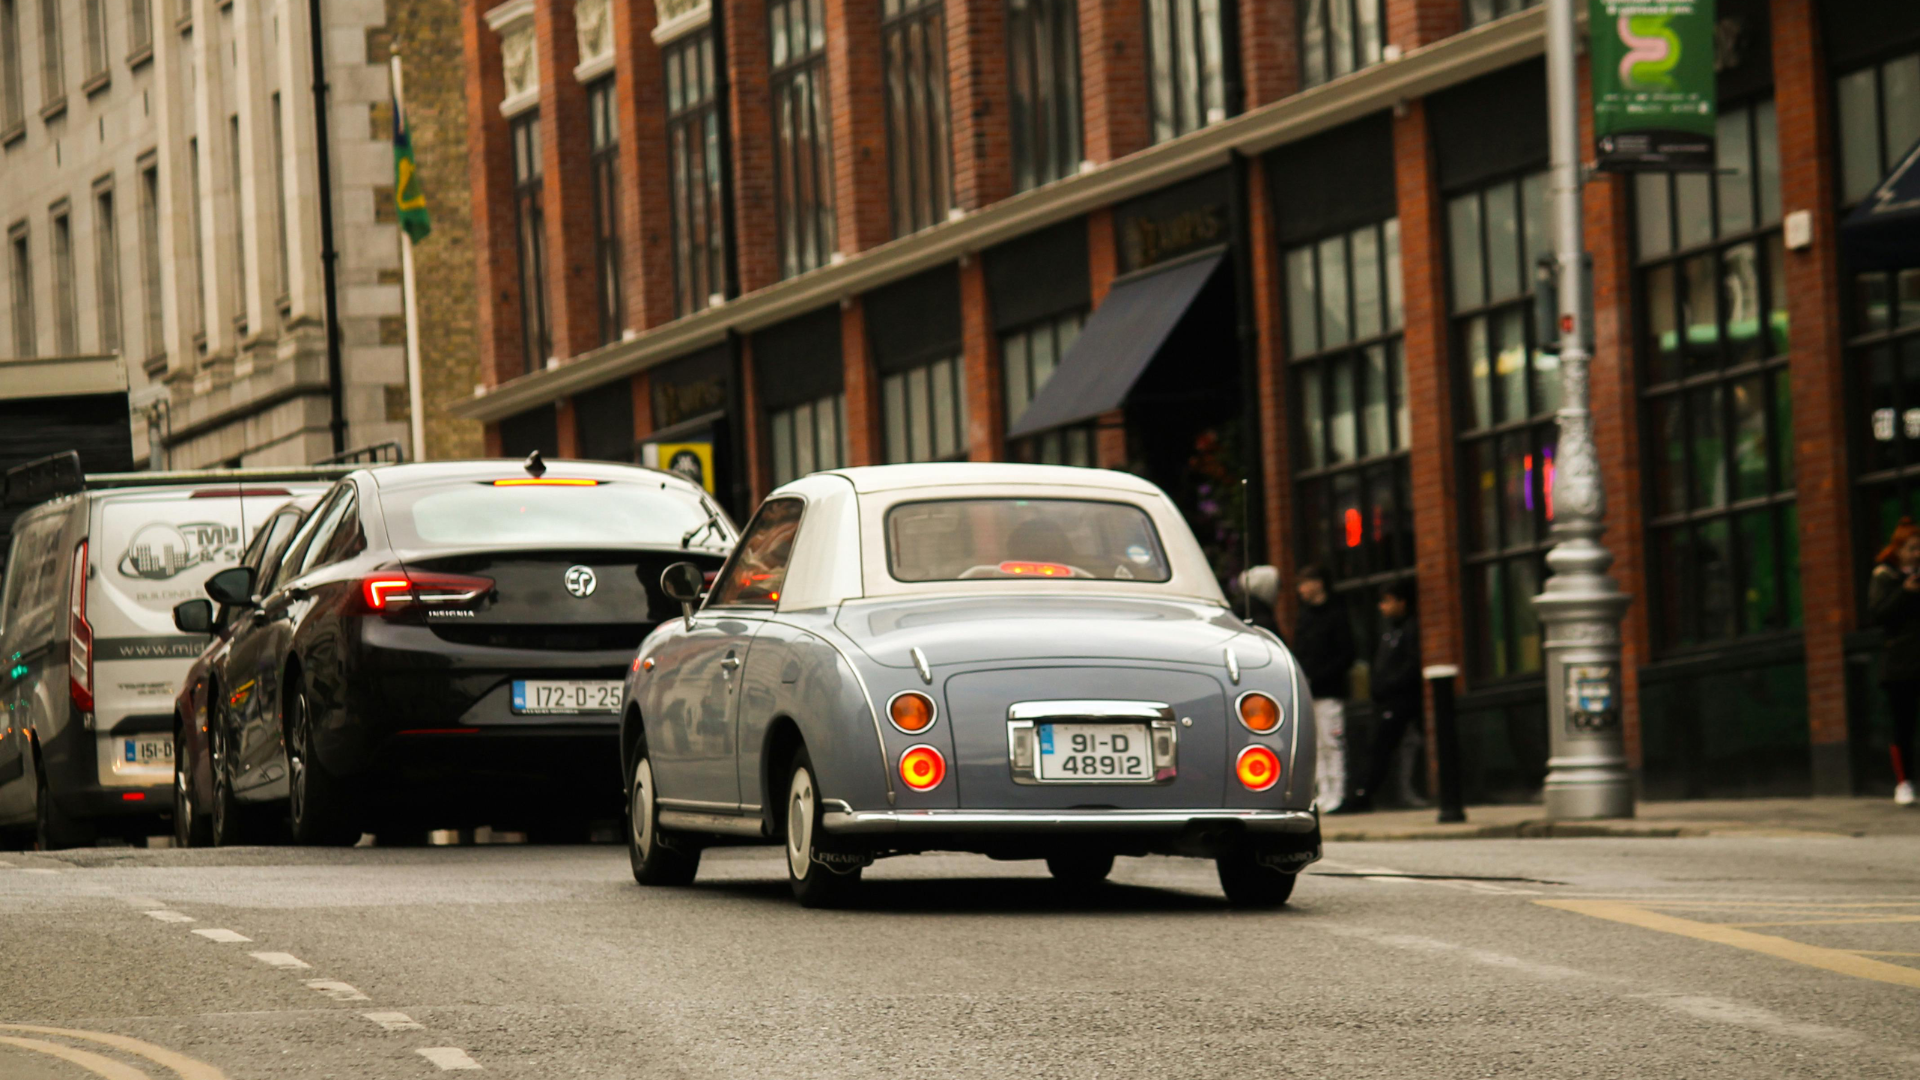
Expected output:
(536, 342)
(280, 197)
(604, 123)
(1028, 357)
(693, 148)
(150, 284)
(106, 258)
(96, 26)
(236, 177)
(66, 303)
(1339, 36)
(1023, 540)
(924, 412)
(139, 27)
(53, 68)
(199, 320)
(21, 267)
(513, 512)
(1043, 72)
(1187, 66)
(1879, 109)
(803, 130)
(1481, 11)
(809, 438)
(1507, 392)
(1351, 414)
(1717, 408)
(919, 153)
(13, 106)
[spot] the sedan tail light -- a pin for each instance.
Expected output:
(1259, 713)
(1258, 768)
(390, 594)
(79, 635)
(922, 768)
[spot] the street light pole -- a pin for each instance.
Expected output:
(1580, 606)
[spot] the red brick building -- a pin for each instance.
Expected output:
(1290, 240)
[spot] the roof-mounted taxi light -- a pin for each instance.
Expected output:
(543, 481)
(1258, 768)
(911, 711)
(1035, 569)
(1259, 713)
(922, 768)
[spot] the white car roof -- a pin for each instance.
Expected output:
(867, 479)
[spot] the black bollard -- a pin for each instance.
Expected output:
(1446, 739)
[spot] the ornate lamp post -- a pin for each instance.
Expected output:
(1580, 605)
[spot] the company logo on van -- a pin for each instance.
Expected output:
(161, 549)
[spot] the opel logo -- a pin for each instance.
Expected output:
(580, 581)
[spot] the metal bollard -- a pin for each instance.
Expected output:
(1446, 739)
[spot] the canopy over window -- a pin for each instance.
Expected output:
(1883, 232)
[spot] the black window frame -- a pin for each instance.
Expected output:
(603, 162)
(798, 444)
(1335, 56)
(1181, 98)
(913, 36)
(1074, 444)
(1478, 12)
(1691, 395)
(530, 226)
(1043, 90)
(915, 402)
(696, 165)
(803, 167)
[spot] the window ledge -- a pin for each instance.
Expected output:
(139, 56)
(184, 23)
(155, 366)
(97, 83)
(13, 134)
(53, 108)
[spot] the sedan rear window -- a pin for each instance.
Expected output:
(1022, 539)
(468, 514)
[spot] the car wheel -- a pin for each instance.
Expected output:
(1250, 884)
(227, 822)
(658, 858)
(1080, 869)
(820, 878)
(190, 826)
(54, 828)
(316, 807)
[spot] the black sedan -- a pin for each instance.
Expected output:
(442, 645)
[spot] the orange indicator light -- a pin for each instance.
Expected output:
(911, 712)
(1260, 713)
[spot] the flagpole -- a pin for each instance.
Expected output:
(416, 404)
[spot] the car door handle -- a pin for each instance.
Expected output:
(730, 662)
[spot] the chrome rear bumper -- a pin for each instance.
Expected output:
(848, 822)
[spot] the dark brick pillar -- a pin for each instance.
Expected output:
(566, 184)
(646, 201)
(490, 440)
(977, 71)
(1413, 23)
(566, 428)
(855, 82)
(986, 399)
(758, 464)
(756, 240)
(1113, 78)
(1103, 265)
(642, 406)
(862, 387)
(490, 172)
(1269, 50)
(1269, 319)
(1802, 93)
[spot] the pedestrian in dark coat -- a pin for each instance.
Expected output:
(1396, 684)
(1323, 644)
(1893, 602)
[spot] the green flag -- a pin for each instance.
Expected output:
(1653, 83)
(410, 199)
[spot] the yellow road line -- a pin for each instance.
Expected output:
(1835, 960)
(1879, 952)
(99, 1066)
(1833, 922)
(186, 1067)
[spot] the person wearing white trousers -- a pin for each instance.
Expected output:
(1322, 642)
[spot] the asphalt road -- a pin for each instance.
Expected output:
(1523, 958)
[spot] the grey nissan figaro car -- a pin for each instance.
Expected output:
(1024, 661)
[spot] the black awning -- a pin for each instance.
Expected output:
(1883, 232)
(1115, 347)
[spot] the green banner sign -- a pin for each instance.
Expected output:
(1653, 83)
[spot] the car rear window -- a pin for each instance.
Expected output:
(481, 514)
(1023, 539)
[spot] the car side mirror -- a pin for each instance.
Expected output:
(232, 586)
(683, 582)
(193, 617)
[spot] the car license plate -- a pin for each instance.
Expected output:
(536, 697)
(1095, 753)
(147, 750)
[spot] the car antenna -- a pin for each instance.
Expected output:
(536, 468)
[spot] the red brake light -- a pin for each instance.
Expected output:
(379, 591)
(133, 796)
(922, 768)
(1036, 569)
(79, 635)
(1258, 768)
(545, 481)
(384, 593)
(239, 493)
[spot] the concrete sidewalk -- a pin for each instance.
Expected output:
(1715, 817)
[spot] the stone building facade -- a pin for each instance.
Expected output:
(159, 188)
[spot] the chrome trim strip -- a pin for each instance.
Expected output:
(1089, 709)
(699, 804)
(884, 821)
(730, 824)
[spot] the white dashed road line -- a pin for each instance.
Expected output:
(287, 961)
(338, 991)
(448, 1057)
(169, 916)
(36, 870)
(217, 934)
(395, 1021)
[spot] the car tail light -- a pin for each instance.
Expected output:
(385, 594)
(1259, 713)
(545, 481)
(240, 493)
(1258, 768)
(922, 768)
(911, 711)
(79, 635)
(1035, 569)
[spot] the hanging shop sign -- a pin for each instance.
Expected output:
(690, 387)
(693, 460)
(1175, 221)
(1653, 83)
